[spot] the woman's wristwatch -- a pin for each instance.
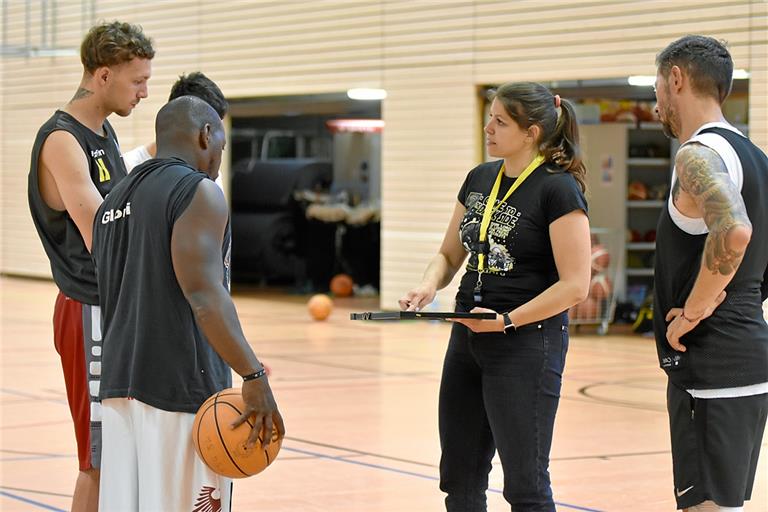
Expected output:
(508, 325)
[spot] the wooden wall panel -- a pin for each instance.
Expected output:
(430, 56)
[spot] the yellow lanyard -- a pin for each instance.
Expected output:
(490, 207)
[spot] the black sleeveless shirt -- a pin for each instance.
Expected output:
(730, 348)
(153, 349)
(71, 263)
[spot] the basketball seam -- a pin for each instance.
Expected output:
(221, 393)
(221, 437)
(199, 426)
(247, 421)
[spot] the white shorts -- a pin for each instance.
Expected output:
(149, 464)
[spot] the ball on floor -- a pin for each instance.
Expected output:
(341, 285)
(320, 306)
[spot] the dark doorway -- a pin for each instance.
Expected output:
(305, 198)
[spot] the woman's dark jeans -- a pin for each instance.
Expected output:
(500, 392)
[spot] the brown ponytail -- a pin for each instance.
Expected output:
(563, 147)
(530, 103)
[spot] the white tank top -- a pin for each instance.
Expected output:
(696, 226)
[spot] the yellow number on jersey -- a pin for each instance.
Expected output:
(103, 171)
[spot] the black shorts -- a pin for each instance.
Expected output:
(715, 446)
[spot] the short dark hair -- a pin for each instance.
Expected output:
(199, 85)
(705, 60)
(109, 44)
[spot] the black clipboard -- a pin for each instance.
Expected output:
(419, 315)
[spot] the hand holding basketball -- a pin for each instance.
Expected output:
(230, 447)
(259, 405)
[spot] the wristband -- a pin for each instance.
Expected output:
(255, 375)
(508, 325)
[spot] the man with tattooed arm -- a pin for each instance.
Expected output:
(710, 282)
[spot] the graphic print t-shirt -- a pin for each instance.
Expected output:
(519, 263)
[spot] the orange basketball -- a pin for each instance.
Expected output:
(320, 306)
(637, 191)
(222, 448)
(341, 285)
(588, 310)
(601, 258)
(600, 287)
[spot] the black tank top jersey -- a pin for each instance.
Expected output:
(153, 349)
(730, 348)
(71, 263)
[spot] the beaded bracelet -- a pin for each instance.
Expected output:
(255, 375)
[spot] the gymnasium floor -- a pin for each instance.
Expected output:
(359, 401)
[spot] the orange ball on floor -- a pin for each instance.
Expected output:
(341, 285)
(320, 306)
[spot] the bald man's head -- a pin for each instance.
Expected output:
(183, 116)
(189, 128)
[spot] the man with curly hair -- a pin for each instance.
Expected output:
(75, 163)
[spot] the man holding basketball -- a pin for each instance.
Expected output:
(711, 260)
(161, 244)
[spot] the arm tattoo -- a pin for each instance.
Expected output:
(80, 94)
(703, 175)
(676, 190)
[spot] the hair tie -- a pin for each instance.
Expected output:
(557, 101)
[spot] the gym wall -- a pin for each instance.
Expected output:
(430, 57)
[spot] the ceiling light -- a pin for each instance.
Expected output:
(740, 74)
(355, 125)
(642, 80)
(367, 94)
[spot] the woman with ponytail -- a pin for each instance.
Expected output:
(522, 221)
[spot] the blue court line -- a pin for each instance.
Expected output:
(31, 502)
(30, 395)
(34, 457)
(409, 473)
(329, 457)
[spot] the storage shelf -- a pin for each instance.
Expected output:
(645, 204)
(641, 246)
(648, 162)
(640, 272)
